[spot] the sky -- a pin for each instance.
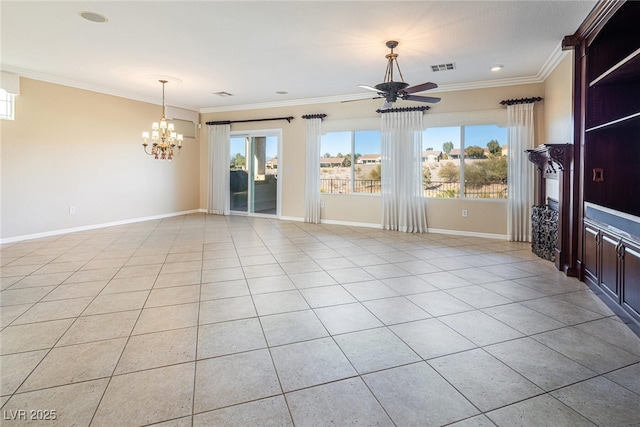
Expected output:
(474, 135)
(368, 142)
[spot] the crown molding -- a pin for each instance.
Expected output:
(547, 68)
(48, 78)
(287, 103)
(552, 62)
(361, 96)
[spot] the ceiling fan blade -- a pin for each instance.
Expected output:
(419, 98)
(369, 88)
(361, 99)
(420, 88)
(386, 105)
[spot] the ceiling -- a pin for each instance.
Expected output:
(314, 51)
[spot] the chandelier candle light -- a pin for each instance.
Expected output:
(163, 135)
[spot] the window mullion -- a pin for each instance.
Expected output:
(462, 186)
(353, 176)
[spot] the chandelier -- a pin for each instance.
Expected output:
(163, 136)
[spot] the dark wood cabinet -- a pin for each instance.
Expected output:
(611, 259)
(631, 280)
(606, 152)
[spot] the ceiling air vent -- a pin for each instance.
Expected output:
(443, 67)
(223, 94)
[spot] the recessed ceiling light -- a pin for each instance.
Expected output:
(223, 94)
(497, 67)
(282, 92)
(94, 17)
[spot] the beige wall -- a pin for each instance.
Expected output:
(484, 217)
(71, 147)
(558, 112)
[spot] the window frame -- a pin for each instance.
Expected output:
(461, 165)
(352, 168)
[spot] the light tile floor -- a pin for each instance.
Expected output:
(213, 321)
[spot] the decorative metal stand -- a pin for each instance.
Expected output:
(544, 222)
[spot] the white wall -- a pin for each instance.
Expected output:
(71, 147)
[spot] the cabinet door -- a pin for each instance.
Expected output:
(590, 256)
(609, 266)
(631, 279)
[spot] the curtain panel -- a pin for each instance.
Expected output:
(403, 202)
(219, 140)
(312, 178)
(520, 172)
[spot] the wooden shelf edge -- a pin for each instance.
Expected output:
(619, 121)
(611, 73)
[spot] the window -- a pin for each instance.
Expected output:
(465, 161)
(350, 162)
(253, 171)
(6, 105)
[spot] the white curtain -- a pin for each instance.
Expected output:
(312, 178)
(520, 176)
(403, 202)
(219, 140)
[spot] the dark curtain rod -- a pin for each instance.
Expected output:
(520, 101)
(402, 110)
(314, 116)
(228, 122)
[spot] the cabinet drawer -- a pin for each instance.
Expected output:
(631, 279)
(609, 265)
(590, 256)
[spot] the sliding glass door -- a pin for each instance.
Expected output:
(253, 173)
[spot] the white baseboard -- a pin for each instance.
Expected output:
(283, 218)
(468, 234)
(96, 226)
(349, 223)
(292, 218)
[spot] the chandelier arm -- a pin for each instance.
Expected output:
(145, 150)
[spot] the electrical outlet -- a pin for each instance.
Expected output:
(322, 203)
(464, 213)
(72, 210)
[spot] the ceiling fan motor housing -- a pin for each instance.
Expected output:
(391, 90)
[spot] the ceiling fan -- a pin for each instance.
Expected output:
(391, 90)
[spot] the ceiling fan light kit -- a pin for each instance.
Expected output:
(392, 90)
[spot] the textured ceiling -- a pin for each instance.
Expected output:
(311, 50)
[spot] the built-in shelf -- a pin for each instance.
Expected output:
(627, 69)
(606, 219)
(623, 121)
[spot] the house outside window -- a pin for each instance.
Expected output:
(350, 162)
(465, 162)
